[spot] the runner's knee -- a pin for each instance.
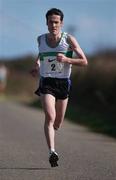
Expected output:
(49, 119)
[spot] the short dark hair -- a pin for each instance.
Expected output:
(55, 11)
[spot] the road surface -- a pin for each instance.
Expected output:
(24, 154)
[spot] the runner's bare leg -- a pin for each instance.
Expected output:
(48, 103)
(61, 106)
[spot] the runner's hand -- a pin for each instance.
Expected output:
(34, 72)
(61, 58)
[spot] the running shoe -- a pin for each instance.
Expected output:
(53, 159)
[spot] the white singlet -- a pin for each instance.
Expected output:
(49, 66)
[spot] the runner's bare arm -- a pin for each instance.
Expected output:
(35, 69)
(80, 58)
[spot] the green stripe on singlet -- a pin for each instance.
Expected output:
(45, 54)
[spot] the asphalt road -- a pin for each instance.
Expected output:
(24, 154)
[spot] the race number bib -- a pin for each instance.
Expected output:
(52, 65)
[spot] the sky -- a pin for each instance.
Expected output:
(92, 22)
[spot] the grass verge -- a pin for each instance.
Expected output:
(99, 122)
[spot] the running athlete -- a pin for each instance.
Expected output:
(54, 64)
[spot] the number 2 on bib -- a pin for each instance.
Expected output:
(53, 67)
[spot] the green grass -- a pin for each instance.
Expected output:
(101, 121)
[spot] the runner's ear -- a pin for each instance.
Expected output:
(62, 23)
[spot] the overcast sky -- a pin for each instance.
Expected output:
(21, 21)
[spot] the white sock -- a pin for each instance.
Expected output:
(51, 151)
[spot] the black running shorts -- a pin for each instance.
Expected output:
(58, 87)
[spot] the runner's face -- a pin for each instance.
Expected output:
(54, 24)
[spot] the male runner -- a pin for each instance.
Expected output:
(54, 64)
